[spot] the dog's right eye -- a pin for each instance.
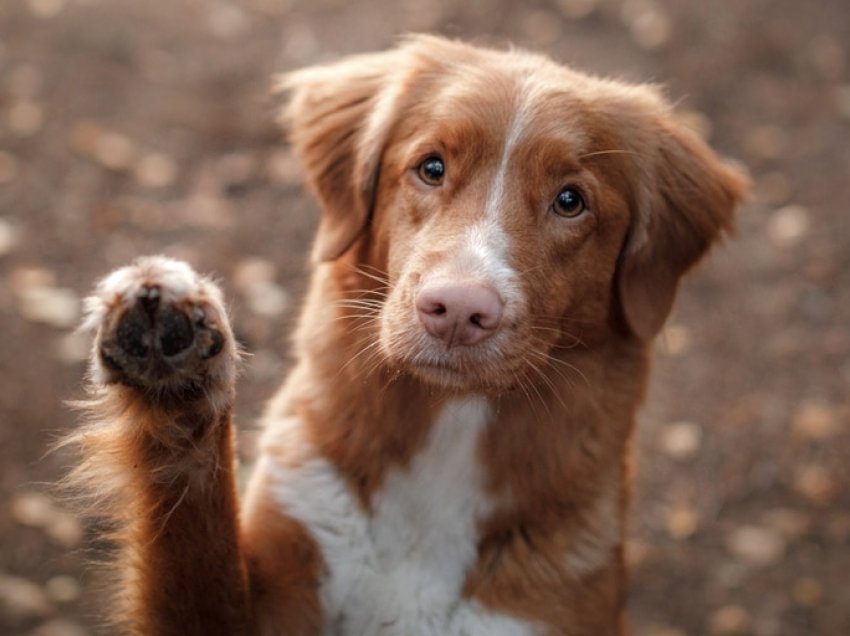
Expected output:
(569, 203)
(432, 171)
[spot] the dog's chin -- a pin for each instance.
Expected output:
(481, 369)
(445, 377)
(458, 375)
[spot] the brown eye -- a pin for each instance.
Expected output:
(569, 203)
(432, 171)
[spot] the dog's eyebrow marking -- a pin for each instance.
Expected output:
(515, 128)
(486, 244)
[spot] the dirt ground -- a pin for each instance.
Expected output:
(129, 127)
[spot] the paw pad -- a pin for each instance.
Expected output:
(159, 323)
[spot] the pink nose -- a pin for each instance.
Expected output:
(459, 313)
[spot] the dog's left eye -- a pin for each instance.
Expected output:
(432, 170)
(569, 203)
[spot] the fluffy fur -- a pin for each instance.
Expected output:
(409, 483)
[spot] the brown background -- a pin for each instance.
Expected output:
(136, 126)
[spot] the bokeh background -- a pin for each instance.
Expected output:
(130, 127)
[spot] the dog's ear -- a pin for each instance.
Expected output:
(338, 117)
(686, 201)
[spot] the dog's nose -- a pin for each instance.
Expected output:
(459, 313)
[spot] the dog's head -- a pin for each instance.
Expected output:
(514, 207)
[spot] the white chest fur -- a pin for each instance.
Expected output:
(401, 569)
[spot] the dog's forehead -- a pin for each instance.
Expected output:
(524, 104)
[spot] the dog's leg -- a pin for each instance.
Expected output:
(158, 453)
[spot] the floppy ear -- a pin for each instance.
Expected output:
(687, 201)
(338, 117)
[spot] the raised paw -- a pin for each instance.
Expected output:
(160, 326)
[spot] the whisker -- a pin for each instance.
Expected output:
(560, 332)
(540, 328)
(374, 309)
(521, 385)
(365, 323)
(557, 321)
(539, 395)
(372, 302)
(571, 367)
(374, 291)
(377, 275)
(378, 270)
(366, 306)
(362, 351)
(359, 305)
(608, 152)
(547, 380)
(371, 363)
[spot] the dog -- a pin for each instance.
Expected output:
(501, 238)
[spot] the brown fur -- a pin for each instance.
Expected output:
(566, 373)
(159, 470)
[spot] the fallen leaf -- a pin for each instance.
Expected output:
(766, 141)
(9, 235)
(682, 521)
(62, 589)
(46, 8)
(681, 440)
(755, 545)
(23, 599)
(114, 151)
(815, 483)
(788, 226)
(26, 118)
(59, 627)
(807, 592)
(54, 306)
(33, 509)
(155, 170)
(8, 167)
(815, 421)
(730, 619)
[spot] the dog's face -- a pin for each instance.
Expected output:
(502, 241)
(515, 208)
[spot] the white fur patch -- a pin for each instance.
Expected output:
(486, 245)
(401, 569)
(514, 131)
(176, 279)
(485, 254)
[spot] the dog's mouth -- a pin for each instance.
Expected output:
(445, 374)
(441, 374)
(462, 370)
(443, 371)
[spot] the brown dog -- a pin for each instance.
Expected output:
(501, 239)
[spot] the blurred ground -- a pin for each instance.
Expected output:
(131, 127)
